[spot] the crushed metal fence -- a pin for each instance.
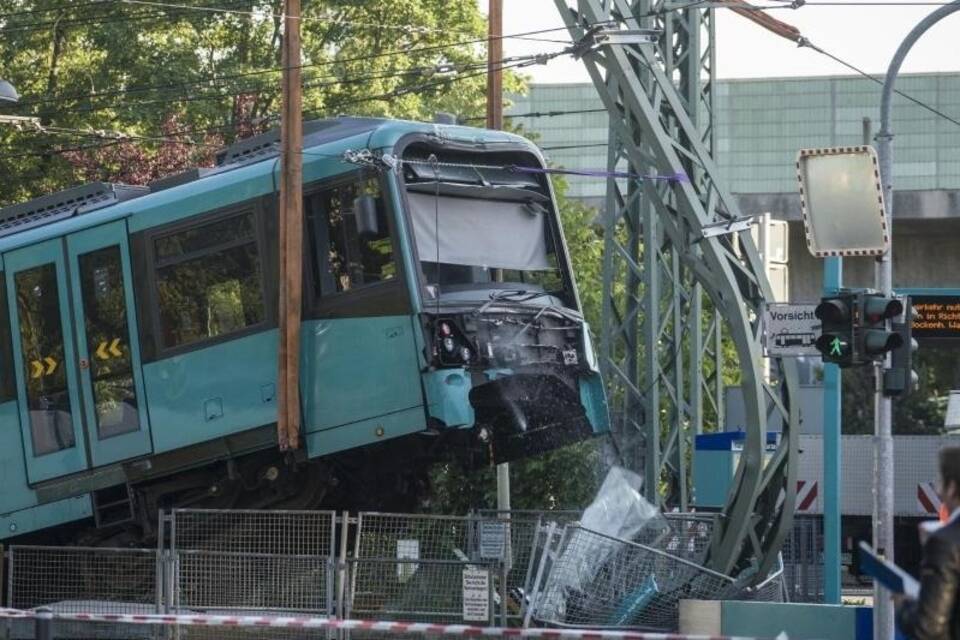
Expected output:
(599, 581)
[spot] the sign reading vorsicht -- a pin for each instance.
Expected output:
(790, 329)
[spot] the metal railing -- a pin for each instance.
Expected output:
(92, 579)
(486, 568)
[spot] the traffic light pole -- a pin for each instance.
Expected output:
(832, 283)
(883, 418)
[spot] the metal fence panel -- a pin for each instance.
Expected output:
(599, 581)
(425, 590)
(254, 531)
(229, 560)
(84, 579)
(215, 581)
(803, 560)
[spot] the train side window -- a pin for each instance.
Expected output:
(341, 257)
(209, 281)
(8, 389)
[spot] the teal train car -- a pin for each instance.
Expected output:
(138, 333)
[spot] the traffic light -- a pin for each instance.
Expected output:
(874, 336)
(900, 379)
(836, 342)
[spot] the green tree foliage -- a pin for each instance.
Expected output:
(198, 77)
(920, 413)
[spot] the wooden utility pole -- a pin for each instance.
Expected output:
(495, 121)
(290, 232)
(494, 61)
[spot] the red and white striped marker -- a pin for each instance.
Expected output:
(806, 495)
(425, 628)
(928, 501)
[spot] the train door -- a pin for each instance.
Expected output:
(108, 352)
(359, 350)
(78, 374)
(47, 386)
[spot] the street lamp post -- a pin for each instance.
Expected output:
(883, 419)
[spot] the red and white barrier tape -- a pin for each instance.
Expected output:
(425, 628)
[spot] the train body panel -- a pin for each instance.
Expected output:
(139, 351)
(212, 392)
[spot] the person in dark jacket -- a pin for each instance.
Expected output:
(935, 615)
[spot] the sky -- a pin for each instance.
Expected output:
(866, 36)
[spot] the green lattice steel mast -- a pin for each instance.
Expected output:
(680, 273)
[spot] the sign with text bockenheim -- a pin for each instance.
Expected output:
(936, 317)
(790, 329)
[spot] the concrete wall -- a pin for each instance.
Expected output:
(769, 619)
(926, 254)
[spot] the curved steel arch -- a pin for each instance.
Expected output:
(662, 272)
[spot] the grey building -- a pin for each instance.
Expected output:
(760, 126)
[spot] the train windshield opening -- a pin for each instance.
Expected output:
(482, 227)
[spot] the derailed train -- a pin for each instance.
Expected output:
(138, 331)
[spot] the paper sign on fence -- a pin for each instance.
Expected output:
(407, 550)
(476, 595)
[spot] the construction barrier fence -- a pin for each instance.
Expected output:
(517, 569)
(43, 623)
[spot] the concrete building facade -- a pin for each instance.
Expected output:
(760, 126)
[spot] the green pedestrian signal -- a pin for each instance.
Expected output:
(836, 331)
(835, 347)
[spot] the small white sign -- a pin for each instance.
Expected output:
(407, 550)
(791, 329)
(476, 595)
(493, 540)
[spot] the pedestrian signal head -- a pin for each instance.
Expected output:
(836, 342)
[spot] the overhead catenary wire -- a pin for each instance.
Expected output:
(916, 101)
(62, 22)
(247, 74)
(327, 81)
(303, 19)
(71, 5)
(173, 136)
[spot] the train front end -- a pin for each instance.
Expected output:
(509, 365)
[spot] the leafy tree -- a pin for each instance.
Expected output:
(185, 81)
(920, 413)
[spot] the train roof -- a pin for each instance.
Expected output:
(243, 163)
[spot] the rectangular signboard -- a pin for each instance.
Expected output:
(476, 595)
(936, 317)
(790, 329)
(493, 540)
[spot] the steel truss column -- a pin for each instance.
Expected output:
(662, 346)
